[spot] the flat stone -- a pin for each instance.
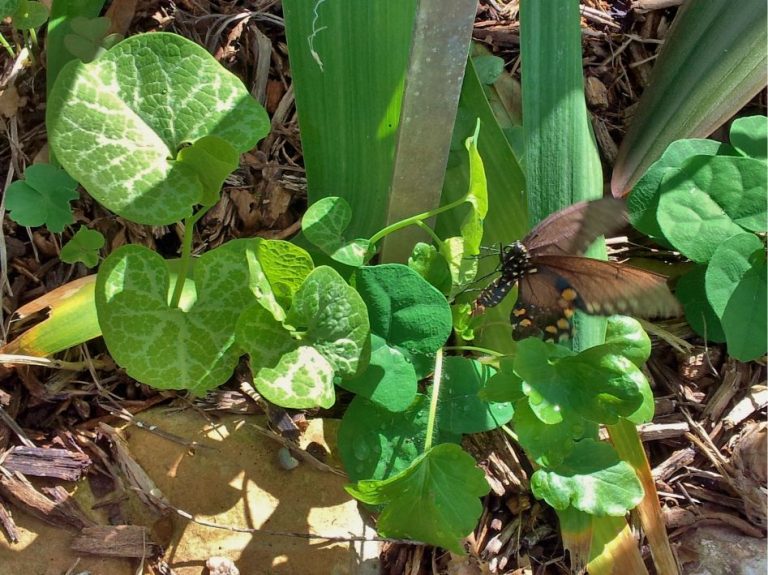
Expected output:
(233, 478)
(720, 551)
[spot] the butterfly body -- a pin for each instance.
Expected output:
(553, 280)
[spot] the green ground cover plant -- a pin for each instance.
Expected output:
(153, 126)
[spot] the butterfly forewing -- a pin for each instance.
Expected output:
(572, 230)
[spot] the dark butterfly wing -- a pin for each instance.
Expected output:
(544, 308)
(571, 230)
(606, 288)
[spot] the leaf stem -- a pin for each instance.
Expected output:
(483, 350)
(186, 255)
(414, 220)
(433, 400)
(4, 43)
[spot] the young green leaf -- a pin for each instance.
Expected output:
(504, 385)
(728, 265)
(324, 334)
(744, 318)
(192, 347)
(710, 199)
(643, 201)
(459, 251)
(404, 309)
(324, 223)
(431, 265)
(331, 317)
(750, 136)
(88, 34)
(699, 314)
(488, 68)
(603, 385)
(302, 378)
(375, 443)
(735, 286)
(600, 384)
(8, 7)
(29, 15)
(627, 337)
(389, 380)
(548, 444)
(42, 198)
(83, 247)
(435, 500)
(117, 125)
(212, 159)
(592, 479)
(277, 270)
(460, 408)
(546, 392)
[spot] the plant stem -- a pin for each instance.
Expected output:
(429, 231)
(186, 255)
(433, 400)
(413, 220)
(483, 350)
(4, 43)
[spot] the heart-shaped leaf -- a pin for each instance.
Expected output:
(189, 348)
(436, 500)
(324, 223)
(592, 479)
(117, 124)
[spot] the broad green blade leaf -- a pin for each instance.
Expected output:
(735, 286)
(324, 223)
(744, 318)
(643, 202)
(750, 136)
(561, 159)
(699, 314)
(116, 125)
(712, 63)
(435, 500)
(71, 320)
(710, 199)
(404, 309)
(332, 318)
(348, 65)
(549, 444)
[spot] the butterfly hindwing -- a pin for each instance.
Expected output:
(607, 288)
(545, 307)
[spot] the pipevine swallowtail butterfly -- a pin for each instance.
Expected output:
(554, 280)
